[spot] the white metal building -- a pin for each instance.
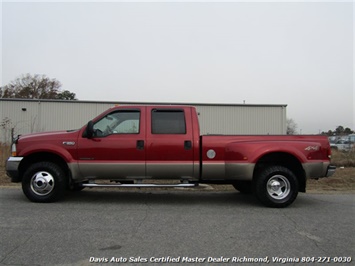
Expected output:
(30, 116)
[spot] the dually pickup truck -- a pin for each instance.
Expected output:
(139, 146)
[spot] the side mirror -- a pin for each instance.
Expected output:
(89, 132)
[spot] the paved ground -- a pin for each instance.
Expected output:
(164, 226)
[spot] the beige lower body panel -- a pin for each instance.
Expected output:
(228, 171)
(315, 170)
(175, 170)
(171, 170)
(210, 171)
(111, 170)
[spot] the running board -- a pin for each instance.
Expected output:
(140, 185)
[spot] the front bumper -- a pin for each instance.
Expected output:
(12, 168)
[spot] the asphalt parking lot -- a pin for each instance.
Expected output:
(174, 227)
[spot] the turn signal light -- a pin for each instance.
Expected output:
(13, 150)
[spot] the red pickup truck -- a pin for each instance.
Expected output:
(134, 146)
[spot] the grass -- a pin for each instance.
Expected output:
(343, 159)
(5, 152)
(342, 181)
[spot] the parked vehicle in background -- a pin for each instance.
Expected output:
(342, 143)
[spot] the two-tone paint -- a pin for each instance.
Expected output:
(235, 157)
(170, 156)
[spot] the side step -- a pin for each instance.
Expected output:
(139, 185)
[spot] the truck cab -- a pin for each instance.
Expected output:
(140, 141)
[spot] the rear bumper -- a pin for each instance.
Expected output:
(12, 168)
(318, 170)
(331, 170)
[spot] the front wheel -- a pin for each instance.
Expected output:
(276, 186)
(44, 182)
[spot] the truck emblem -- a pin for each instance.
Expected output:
(312, 148)
(211, 154)
(69, 143)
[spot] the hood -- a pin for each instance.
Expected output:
(52, 135)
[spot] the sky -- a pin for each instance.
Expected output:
(298, 53)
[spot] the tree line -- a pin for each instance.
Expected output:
(36, 87)
(339, 131)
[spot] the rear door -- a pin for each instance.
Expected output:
(117, 148)
(169, 149)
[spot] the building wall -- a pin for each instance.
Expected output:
(30, 116)
(242, 119)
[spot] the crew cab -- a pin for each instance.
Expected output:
(136, 146)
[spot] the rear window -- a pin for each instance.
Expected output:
(168, 121)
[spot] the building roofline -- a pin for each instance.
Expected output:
(140, 103)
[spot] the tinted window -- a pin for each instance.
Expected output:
(121, 122)
(168, 122)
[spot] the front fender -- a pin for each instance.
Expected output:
(66, 155)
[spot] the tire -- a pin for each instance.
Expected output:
(244, 187)
(276, 186)
(44, 182)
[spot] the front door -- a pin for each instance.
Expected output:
(117, 149)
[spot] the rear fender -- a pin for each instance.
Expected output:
(246, 156)
(251, 152)
(293, 155)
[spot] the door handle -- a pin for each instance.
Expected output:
(188, 145)
(140, 145)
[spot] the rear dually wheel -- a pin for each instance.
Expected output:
(276, 186)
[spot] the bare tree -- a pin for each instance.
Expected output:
(291, 126)
(35, 87)
(6, 129)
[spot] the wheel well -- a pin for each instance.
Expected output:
(43, 157)
(284, 159)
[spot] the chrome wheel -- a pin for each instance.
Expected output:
(278, 187)
(42, 183)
